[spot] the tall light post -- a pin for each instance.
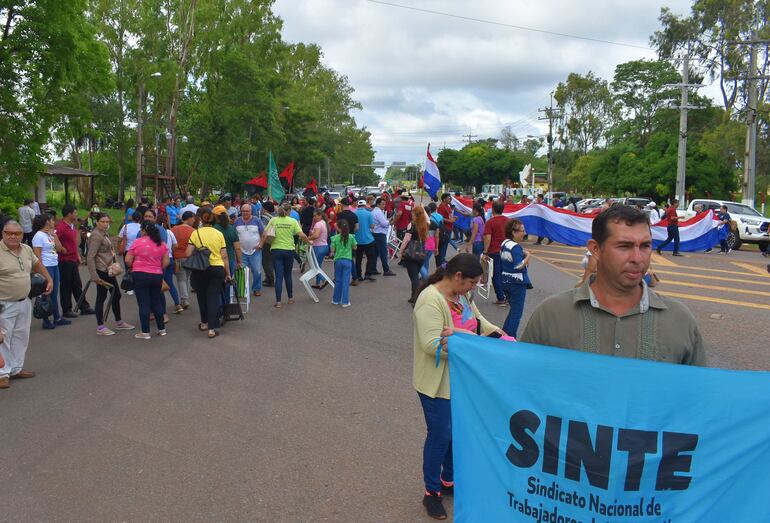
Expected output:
(139, 129)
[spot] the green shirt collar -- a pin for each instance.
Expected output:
(649, 299)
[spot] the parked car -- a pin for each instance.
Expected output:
(589, 203)
(749, 226)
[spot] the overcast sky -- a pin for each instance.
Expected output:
(425, 77)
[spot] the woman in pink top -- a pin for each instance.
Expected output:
(147, 258)
(319, 240)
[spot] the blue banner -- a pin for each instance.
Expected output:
(550, 435)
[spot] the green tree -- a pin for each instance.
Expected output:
(587, 112)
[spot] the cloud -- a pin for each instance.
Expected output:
(424, 77)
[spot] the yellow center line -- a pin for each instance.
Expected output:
(749, 267)
(655, 260)
(673, 273)
(662, 260)
(714, 300)
(683, 295)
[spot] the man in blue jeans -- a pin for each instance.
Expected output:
(381, 229)
(250, 229)
(672, 229)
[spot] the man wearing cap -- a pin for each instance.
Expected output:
(17, 261)
(365, 242)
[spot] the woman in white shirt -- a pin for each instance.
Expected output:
(46, 245)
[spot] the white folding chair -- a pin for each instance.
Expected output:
(485, 283)
(394, 243)
(313, 271)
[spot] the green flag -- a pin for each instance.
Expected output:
(274, 187)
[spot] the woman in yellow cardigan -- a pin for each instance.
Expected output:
(444, 306)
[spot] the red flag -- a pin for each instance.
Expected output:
(288, 173)
(312, 186)
(259, 181)
(421, 182)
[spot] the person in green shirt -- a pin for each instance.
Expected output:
(232, 242)
(280, 232)
(342, 247)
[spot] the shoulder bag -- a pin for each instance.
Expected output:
(200, 259)
(415, 249)
(269, 234)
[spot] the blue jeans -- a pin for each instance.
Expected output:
(320, 253)
(437, 463)
(148, 297)
(54, 272)
(254, 263)
(343, 269)
(516, 294)
(478, 249)
(441, 256)
(283, 262)
(425, 269)
(168, 277)
(381, 241)
(497, 276)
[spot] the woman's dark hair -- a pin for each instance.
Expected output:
(205, 216)
(223, 219)
(40, 221)
(137, 216)
(99, 215)
(378, 201)
(294, 201)
(465, 263)
(344, 227)
(510, 226)
(151, 230)
(616, 214)
(432, 207)
(129, 203)
(268, 206)
(479, 209)
(141, 210)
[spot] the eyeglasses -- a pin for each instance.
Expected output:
(13, 233)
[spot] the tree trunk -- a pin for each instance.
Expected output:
(139, 144)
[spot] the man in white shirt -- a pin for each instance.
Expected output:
(380, 231)
(26, 215)
(250, 229)
(190, 206)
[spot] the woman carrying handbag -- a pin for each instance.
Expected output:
(103, 268)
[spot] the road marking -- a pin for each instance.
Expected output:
(716, 288)
(695, 296)
(749, 267)
(676, 273)
(658, 259)
(714, 300)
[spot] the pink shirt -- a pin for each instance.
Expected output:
(148, 257)
(462, 314)
(320, 226)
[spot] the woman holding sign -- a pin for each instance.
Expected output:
(444, 306)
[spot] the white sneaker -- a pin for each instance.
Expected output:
(162, 332)
(345, 305)
(105, 332)
(142, 335)
(335, 303)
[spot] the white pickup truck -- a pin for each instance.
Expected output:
(748, 225)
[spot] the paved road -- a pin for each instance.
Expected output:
(301, 414)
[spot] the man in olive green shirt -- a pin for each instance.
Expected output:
(614, 312)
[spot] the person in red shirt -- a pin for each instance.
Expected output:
(70, 284)
(672, 228)
(403, 216)
(494, 235)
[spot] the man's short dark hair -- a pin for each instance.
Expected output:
(268, 206)
(616, 214)
(345, 201)
(187, 215)
(445, 196)
(498, 207)
(67, 209)
(675, 200)
(378, 201)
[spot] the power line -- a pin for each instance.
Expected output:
(510, 26)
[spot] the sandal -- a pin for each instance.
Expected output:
(291, 300)
(213, 333)
(203, 327)
(278, 305)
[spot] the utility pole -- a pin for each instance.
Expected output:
(681, 165)
(750, 158)
(550, 114)
(469, 137)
